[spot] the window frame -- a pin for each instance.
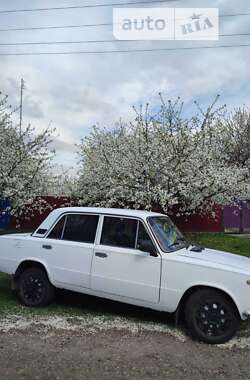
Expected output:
(100, 226)
(66, 214)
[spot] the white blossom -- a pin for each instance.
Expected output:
(25, 160)
(162, 161)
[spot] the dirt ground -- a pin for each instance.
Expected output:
(40, 353)
(113, 341)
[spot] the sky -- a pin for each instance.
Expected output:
(75, 92)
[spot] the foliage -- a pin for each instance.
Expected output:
(25, 159)
(238, 136)
(158, 162)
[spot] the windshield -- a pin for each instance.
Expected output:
(167, 234)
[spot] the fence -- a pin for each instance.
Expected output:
(232, 218)
(201, 223)
(193, 223)
(33, 218)
(236, 217)
(5, 218)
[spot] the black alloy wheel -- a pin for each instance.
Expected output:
(211, 316)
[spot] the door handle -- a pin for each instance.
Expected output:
(101, 254)
(47, 246)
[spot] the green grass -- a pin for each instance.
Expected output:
(66, 304)
(71, 304)
(234, 244)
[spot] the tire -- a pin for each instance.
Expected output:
(211, 316)
(34, 288)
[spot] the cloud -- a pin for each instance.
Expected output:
(63, 146)
(78, 91)
(33, 108)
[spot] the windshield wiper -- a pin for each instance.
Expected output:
(177, 242)
(197, 248)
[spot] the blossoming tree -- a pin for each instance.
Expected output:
(161, 161)
(25, 159)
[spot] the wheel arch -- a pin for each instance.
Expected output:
(31, 263)
(192, 290)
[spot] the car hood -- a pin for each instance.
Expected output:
(218, 257)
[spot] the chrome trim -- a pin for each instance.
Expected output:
(64, 226)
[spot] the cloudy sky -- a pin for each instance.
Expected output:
(74, 92)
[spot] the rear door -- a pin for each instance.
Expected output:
(119, 267)
(69, 248)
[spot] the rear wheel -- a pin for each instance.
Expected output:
(34, 288)
(211, 316)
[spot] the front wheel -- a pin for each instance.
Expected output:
(34, 288)
(211, 317)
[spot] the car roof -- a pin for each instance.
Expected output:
(55, 214)
(110, 211)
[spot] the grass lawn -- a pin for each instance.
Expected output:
(66, 305)
(71, 304)
(224, 242)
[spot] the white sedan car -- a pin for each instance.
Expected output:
(131, 256)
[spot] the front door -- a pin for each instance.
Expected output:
(119, 267)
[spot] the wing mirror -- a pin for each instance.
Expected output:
(147, 246)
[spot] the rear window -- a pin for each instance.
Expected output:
(76, 227)
(81, 228)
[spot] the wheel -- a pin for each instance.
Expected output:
(34, 288)
(211, 317)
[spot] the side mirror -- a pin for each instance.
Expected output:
(147, 246)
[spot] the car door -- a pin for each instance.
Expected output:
(119, 267)
(68, 249)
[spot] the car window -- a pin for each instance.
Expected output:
(81, 228)
(119, 232)
(56, 232)
(144, 240)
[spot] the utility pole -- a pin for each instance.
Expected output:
(21, 107)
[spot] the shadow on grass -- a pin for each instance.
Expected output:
(70, 304)
(107, 307)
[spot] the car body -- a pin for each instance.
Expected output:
(125, 255)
